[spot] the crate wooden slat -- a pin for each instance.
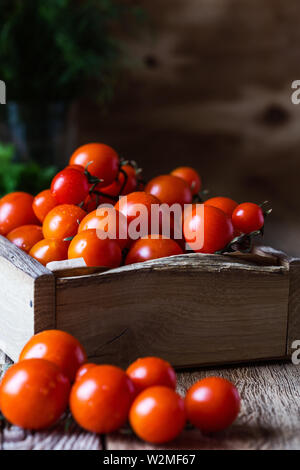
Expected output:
(191, 309)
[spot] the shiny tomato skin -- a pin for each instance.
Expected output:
(95, 251)
(46, 251)
(226, 204)
(170, 189)
(212, 404)
(34, 394)
(129, 209)
(215, 225)
(70, 186)
(108, 220)
(248, 217)
(26, 236)
(148, 248)
(105, 161)
(117, 187)
(58, 347)
(157, 415)
(148, 372)
(43, 203)
(101, 399)
(191, 176)
(16, 210)
(84, 369)
(62, 222)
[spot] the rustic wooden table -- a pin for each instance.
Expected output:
(269, 417)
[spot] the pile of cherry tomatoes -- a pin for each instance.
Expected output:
(62, 222)
(52, 374)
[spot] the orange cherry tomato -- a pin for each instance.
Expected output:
(46, 251)
(226, 204)
(170, 189)
(62, 221)
(26, 236)
(84, 369)
(151, 371)
(94, 250)
(34, 394)
(117, 187)
(157, 415)
(102, 160)
(212, 404)
(248, 217)
(213, 227)
(101, 399)
(152, 248)
(43, 203)
(108, 220)
(191, 176)
(58, 347)
(16, 210)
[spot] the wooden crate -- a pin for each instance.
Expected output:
(191, 309)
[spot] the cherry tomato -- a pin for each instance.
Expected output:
(84, 369)
(101, 399)
(117, 187)
(226, 204)
(58, 347)
(108, 220)
(170, 189)
(211, 226)
(70, 186)
(16, 210)
(212, 404)
(95, 251)
(43, 203)
(191, 176)
(151, 371)
(63, 221)
(34, 394)
(46, 251)
(152, 248)
(105, 161)
(157, 415)
(26, 236)
(248, 217)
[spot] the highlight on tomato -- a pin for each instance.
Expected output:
(63, 221)
(43, 203)
(46, 251)
(191, 176)
(152, 247)
(248, 217)
(70, 186)
(148, 372)
(170, 189)
(84, 369)
(226, 204)
(26, 236)
(16, 210)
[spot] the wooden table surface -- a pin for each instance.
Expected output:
(269, 418)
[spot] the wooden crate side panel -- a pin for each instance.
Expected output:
(294, 307)
(189, 317)
(44, 303)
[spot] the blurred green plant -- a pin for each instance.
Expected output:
(50, 49)
(16, 176)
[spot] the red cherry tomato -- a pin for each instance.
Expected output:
(152, 248)
(191, 176)
(43, 203)
(212, 404)
(63, 221)
(108, 220)
(157, 415)
(34, 394)
(46, 251)
(226, 204)
(102, 160)
(95, 251)
(211, 226)
(151, 371)
(170, 189)
(248, 217)
(58, 347)
(26, 236)
(16, 210)
(84, 369)
(70, 186)
(101, 399)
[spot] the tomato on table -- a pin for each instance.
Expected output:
(191, 176)
(58, 347)
(43, 203)
(70, 186)
(157, 415)
(212, 404)
(46, 251)
(16, 210)
(34, 394)
(26, 236)
(248, 217)
(147, 372)
(226, 204)
(148, 248)
(101, 399)
(170, 189)
(63, 221)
